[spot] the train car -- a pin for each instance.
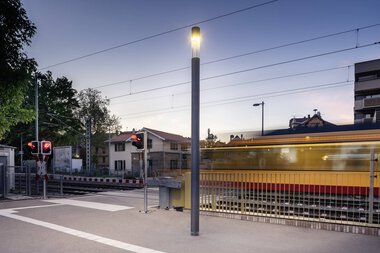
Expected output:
(332, 151)
(329, 162)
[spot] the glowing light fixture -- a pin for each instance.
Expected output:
(195, 41)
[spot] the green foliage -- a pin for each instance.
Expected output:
(94, 106)
(57, 107)
(16, 68)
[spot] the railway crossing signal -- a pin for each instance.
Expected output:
(46, 147)
(34, 147)
(43, 147)
(138, 140)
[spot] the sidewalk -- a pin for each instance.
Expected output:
(113, 222)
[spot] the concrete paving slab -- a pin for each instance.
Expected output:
(160, 230)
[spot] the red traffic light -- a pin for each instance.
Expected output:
(46, 147)
(138, 140)
(34, 147)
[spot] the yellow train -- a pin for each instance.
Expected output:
(333, 162)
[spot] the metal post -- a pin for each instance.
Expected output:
(88, 146)
(371, 184)
(36, 103)
(28, 185)
(22, 164)
(145, 172)
(61, 184)
(262, 118)
(195, 152)
(109, 151)
(37, 132)
(44, 181)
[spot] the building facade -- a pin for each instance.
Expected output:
(367, 92)
(309, 121)
(7, 165)
(167, 152)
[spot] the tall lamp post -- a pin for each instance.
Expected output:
(195, 151)
(262, 116)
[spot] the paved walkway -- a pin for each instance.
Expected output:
(113, 222)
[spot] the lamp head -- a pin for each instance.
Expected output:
(195, 40)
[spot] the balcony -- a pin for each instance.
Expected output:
(367, 86)
(364, 121)
(367, 103)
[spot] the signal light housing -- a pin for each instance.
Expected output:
(138, 140)
(46, 147)
(34, 147)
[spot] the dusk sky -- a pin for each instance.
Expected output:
(68, 29)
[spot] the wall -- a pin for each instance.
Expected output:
(9, 153)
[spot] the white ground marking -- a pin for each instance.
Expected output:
(92, 237)
(87, 204)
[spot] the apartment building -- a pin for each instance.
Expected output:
(367, 92)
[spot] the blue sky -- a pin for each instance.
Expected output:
(72, 28)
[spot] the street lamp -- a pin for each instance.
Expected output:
(262, 116)
(195, 151)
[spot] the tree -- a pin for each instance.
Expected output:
(94, 107)
(16, 68)
(57, 119)
(57, 110)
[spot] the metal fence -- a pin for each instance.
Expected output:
(323, 196)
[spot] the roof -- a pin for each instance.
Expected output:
(327, 128)
(6, 146)
(305, 135)
(308, 121)
(167, 136)
(125, 136)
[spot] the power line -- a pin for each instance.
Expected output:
(290, 61)
(246, 98)
(243, 83)
(278, 92)
(251, 69)
(242, 55)
(159, 34)
(57, 119)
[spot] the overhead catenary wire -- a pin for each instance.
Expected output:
(245, 98)
(241, 55)
(240, 83)
(250, 69)
(160, 34)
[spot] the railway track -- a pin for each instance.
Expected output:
(66, 187)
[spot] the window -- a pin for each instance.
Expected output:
(173, 146)
(184, 147)
(367, 78)
(119, 165)
(173, 164)
(149, 143)
(119, 147)
(104, 159)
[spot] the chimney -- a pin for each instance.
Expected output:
(308, 116)
(231, 137)
(241, 136)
